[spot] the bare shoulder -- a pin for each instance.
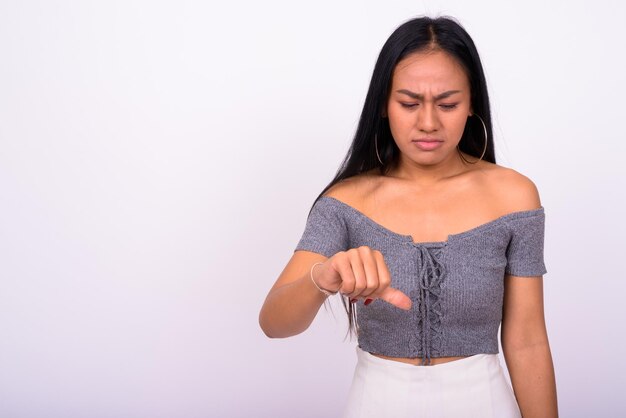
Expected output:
(515, 191)
(354, 189)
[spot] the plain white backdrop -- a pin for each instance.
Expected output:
(158, 160)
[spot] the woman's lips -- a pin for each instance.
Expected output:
(427, 144)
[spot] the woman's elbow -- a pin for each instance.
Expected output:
(265, 325)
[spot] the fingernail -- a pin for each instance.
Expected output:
(368, 301)
(353, 300)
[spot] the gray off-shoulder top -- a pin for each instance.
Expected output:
(456, 285)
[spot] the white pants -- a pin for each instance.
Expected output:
(470, 387)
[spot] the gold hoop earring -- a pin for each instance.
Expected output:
(484, 148)
(376, 147)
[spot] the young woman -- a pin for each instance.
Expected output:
(432, 245)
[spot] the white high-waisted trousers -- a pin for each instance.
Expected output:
(470, 387)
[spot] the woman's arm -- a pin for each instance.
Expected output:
(526, 349)
(293, 301)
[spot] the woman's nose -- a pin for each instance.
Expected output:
(427, 119)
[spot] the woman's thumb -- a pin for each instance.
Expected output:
(396, 298)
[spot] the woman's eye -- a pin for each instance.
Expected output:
(448, 106)
(408, 105)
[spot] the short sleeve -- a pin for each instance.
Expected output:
(524, 253)
(326, 231)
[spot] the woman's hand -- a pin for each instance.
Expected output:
(360, 273)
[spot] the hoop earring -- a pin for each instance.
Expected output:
(484, 148)
(376, 147)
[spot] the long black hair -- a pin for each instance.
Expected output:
(415, 35)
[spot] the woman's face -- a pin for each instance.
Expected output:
(428, 106)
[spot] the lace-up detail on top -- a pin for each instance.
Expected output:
(429, 277)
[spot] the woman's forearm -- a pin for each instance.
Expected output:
(532, 376)
(290, 309)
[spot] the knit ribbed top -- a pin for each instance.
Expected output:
(456, 285)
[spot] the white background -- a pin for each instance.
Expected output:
(158, 160)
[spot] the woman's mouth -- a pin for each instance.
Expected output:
(427, 144)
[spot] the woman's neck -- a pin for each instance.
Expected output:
(424, 175)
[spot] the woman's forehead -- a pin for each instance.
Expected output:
(423, 69)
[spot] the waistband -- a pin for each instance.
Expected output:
(464, 364)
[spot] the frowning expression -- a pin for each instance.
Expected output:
(428, 106)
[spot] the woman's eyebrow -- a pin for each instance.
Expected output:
(417, 96)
